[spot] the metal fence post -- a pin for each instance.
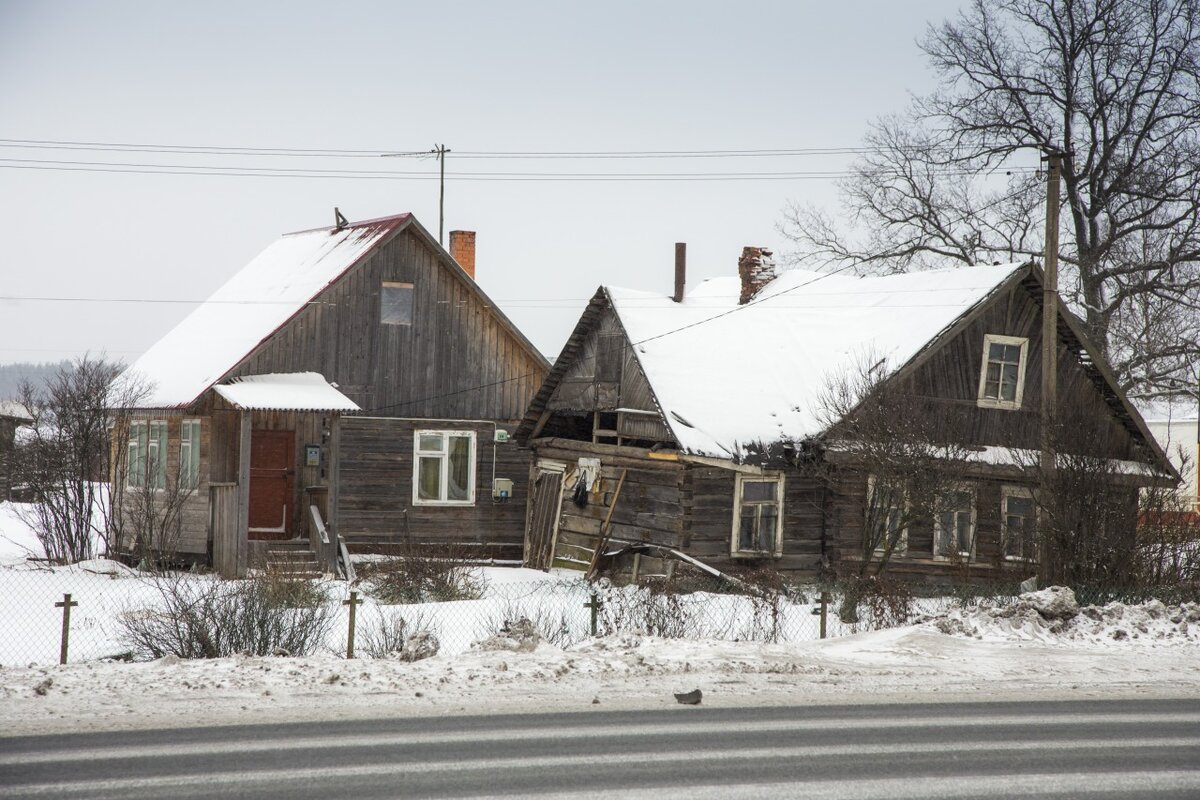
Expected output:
(66, 604)
(353, 603)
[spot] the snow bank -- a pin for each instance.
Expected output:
(1052, 615)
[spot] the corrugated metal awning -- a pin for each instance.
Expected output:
(291, 391)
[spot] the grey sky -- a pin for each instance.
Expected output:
(477, 76)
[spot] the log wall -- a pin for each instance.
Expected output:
(373, 507)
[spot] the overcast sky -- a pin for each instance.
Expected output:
(391, 76)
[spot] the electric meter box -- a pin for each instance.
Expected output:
(502, 488)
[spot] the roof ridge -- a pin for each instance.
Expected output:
(360, 224)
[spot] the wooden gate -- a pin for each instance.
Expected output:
(545, 508)
(272, 484)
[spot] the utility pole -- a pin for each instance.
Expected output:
(441, 151)
(1049, 409)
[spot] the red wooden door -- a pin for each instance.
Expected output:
(272, 483)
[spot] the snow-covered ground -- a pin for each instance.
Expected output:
(1040, 646)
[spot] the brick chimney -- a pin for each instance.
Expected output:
(462, 250)
(756, 268)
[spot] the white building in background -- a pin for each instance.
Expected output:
(1175, 425)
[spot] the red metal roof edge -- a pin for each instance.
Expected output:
(394, 218)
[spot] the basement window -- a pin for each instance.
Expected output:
(1002, 378)
(396, 303)
(444, 471)
(757, 516)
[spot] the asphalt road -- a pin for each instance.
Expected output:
(1054, 749)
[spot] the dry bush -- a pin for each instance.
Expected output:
(875, 602)
(426, 575)
(207, 618)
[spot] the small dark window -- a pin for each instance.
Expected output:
(396, 303)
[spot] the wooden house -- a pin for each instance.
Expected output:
(350, 387)
(697, 428)
(12, 416)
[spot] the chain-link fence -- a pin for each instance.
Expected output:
(100, 610)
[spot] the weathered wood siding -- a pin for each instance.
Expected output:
(606, 376)
(456, 359)
(709, 524)
(373, 506)
(8, 428)
(946, 382)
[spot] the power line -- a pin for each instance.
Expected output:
(118, 167)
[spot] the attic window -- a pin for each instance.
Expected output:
(396, 303)
(1002, 378)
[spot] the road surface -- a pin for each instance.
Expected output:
(1088, 749)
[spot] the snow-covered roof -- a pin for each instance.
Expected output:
(11, 409)
(250, 307)
(293, 391)
(727, 376)
(1167, 411)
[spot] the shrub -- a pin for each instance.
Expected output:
(427, 576)
(207, 618)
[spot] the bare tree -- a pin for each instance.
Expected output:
(911, 469)
(1087, 508)
(63, 460)
(1115, 87)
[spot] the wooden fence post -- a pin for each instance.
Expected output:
(353, 603)
(824, 612)
(66, 604)
(595, 605)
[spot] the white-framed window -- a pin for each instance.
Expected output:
(885, 511)
(189, 453)
(1002, 377)
(1018, 524)
(444, 468)
(757, 516)
(146, 462)
(954, 527)
(396, 303)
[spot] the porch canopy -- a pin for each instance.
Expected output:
(289, 391)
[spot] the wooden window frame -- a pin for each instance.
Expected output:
(152, 444)
(735, 550)
(995, 402)
(937, 527)
(190, 430)
(901, 547)
(411, 306)
(1007, 491)
(443, 475)
(135, 475)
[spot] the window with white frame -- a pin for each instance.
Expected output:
(1018, 515)
(1002, 378)
(758, 516)
(886, 506)
(146, 461)
(189, 453)
(954, 527)
(444, 468)
(396, 303)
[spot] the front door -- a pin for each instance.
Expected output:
(272, 479)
